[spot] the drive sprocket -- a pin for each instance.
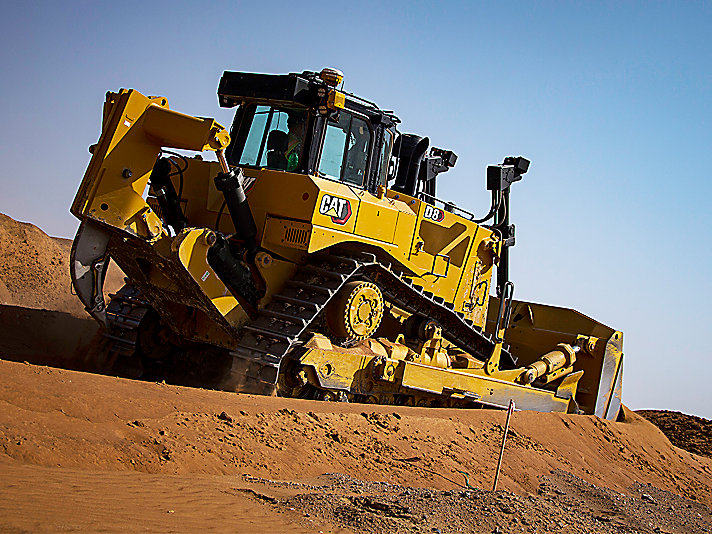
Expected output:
(356, 311)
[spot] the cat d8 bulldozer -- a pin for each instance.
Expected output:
(310, 257)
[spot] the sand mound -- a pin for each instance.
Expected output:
(34, 269)
(41, 320)
(689, 432)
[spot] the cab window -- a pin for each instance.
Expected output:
(275, 138)
(345, 151)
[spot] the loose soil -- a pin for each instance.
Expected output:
(689, 432)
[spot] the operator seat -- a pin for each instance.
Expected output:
(277, 142)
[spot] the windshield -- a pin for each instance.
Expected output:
(275, 138)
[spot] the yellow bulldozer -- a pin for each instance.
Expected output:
(311, 258)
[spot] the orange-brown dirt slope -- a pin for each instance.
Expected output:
(89, 452)
(40, 319)
(688, 432)
(84, 452)
(34, 269)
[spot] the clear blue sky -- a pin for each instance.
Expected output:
(610, 102)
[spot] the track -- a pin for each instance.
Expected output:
(124, 314)
(283, 324)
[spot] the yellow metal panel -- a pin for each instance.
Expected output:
(343, 369)
(376, 219)
(135, 129)
(472, 296)
(120, 112)
(439, 249)
(192, 249)
(322, 238)
(177, 130)
(275, 273)
(336, 100)
(488, 390)
(535, 329)
(278, 193)
(405, 202)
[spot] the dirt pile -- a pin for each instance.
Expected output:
(66, 425)
(688, 432)
(86, 421)
(41, 321)
(34, 269)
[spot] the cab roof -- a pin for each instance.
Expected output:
(303, 89)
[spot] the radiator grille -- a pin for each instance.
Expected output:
(296, 236)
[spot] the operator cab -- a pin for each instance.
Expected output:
(301, 123)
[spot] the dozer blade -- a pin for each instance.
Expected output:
(537, 328)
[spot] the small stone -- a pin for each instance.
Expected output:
(648, 498)
(225, 417)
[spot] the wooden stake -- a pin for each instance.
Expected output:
(504, 439)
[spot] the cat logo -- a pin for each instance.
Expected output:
(433, 213)
(339, 209)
